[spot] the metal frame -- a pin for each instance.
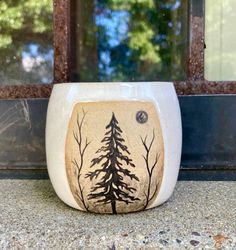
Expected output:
(20, 162)
(63, 57)
(196, 84)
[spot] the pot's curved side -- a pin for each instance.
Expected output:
(170, 119)
(62, 102)
(58, 116)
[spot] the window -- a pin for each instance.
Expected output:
(26, 42)
(130, 40)
(176, 52)
(220, 39)
(85, 48)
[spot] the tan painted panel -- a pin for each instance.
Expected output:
(114, 155)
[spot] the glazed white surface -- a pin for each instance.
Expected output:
(65, 96)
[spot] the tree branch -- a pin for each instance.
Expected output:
(94, 174)
(150, 170)
(79, 139)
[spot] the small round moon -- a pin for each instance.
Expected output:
(141, 116)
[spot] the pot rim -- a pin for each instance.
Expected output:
(113, 83)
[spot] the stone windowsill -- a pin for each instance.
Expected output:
(200, 215)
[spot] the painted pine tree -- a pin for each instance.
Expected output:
(111, 188)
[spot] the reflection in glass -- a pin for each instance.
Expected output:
(220, 39)
(127, 40)
(26, 50)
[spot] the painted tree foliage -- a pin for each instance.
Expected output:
(113, 168)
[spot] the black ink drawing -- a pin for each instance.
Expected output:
(150, 168)
(81, 150)
(114, 174)
(111, 187)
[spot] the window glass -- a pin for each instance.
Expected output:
(220, 40)
(130, 40)
(26, 50)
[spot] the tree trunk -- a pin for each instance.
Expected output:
(113, 206)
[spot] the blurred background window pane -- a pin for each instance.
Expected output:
(220, 39)
(130, 40)
(26, 48)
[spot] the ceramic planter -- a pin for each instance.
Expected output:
(113, 147)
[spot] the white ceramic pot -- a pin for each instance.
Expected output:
(113, 147)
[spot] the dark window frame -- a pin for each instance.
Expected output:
(195, 83)
(214, 159)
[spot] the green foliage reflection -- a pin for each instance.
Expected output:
(130, 40)
(25, 41)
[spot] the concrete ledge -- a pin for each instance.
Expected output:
(200, 215)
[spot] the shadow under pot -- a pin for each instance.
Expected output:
(113, 147)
